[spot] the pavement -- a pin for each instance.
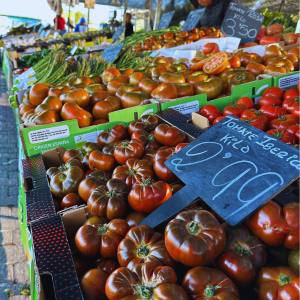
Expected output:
(13, 266)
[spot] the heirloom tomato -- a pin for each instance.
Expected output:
(210, 112)
(283, 136)
(38, 93)
(125, 89)
(248, 58)
(160, 169)
(184, 89)
(215, 63)
(169, 136)
(98, 96)
(64, 167)
(135, 218)
(283, 122)
(110, 74)
(147, 86)
(78, 96)
(135, 98)
(268, 224)
(296, 112)
(148, 140)
(255, 68)
(151, 120)
(82, 153)
(265, 40)
(102, 109)
(141, 245)
(134, 171)
(149, 195)
(291, 94)
(295, 130)
(171, 78)
(235, 109)
(243, 255)
(106, 264)
(80, 82)
(50, 103)
(137, 125)
(95, 220)
(95, 78)
(109, 200)
(291, 215)
(58, 90)
(200, 233)
(165, 91)
(210, 48)
(212, 87)
(102, 239)
(149, 154)
(202, 283)
(42, 117)
(145, 281)
(280, 283)
(128, 149)
(71, 111)
(71, 200)
(197, 63)
(137, 77)
(240, 78)
(92, 284)
(180, 146)
(115, 134)
(291, 104)
(99, 161)
(91, 89)
(272, 112)
(235, 62)
(196, 77)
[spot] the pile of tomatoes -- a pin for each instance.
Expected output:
(277, 112)
(173, 39)
(122, 178)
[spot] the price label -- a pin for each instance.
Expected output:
(193, 19)
(165, 20)
(73, 50)
(111, 53)
(242, 23)
(118, 32)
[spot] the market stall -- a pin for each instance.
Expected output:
(165, 166)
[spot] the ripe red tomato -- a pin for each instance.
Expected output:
(235, 109)
(291, 94)
(165, 91)
(99, 161)
(283, 122)
(269, 100)
(295, 130)
(204, 283)
(115, 134)
(141, 245)
(215, 63)
(255, 115)
(169, 136)
(149, 195)
(243, 255)
(135, 218)
(180, 146)
(274, 92)
(128, 149)
(278, 284)
(210, 112)
(235, 62)
(144, 281)
(291, 215)
(71, 200)
(160, 169)
(265, 40)
(134, 172)
(210, 48)
(283, 136)
(106, 264)
(246, 101)
(200, 233)
(101, 239)
(291, 103)
(296, 112)
(272, 112)
(268, 224)
(255, 122)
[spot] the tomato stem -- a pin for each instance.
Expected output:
(145, 292)
(81, 153)
(282, 118)
(240, 77)
(211, 290)
(193, 227)
(242, 249)
(62, 168)
(151, 137)
(102, 229)
(111, 194)
(62, 177)
(147, 181)
(143, 251)
(131, 172)
(284, 279)
(125, 144)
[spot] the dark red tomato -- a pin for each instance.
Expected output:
(137, 125)
(255, 115)
(169, 136)
(291, 103)
(71, 200)
(268, 224)
(272, 112)
(126, 150)
(283, 136)
(255, 122)
(180, 146)
(210, 112)
(81, 264)
(295, 130)
(283, 122)
(291, 94)
(268, 100)
(291, 215)
(160, 169)
(235, 62)
(246, 101)
(243, 255)
(115, 134)
(202, 283)
(234, 109)
(274, 92)
(296, 111)
(93, 284)
(144, 281)
(176, 187)
(218, 119)
(200, 233)
(135, 218)
(148, 140)
(106, 264)
(141, 245)
(149, 195)
(280, 283)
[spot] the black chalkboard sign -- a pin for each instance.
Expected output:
(165, 20)
(111, 53)
(193, 19)
(118, 32)
(242, 23)
(234, 167)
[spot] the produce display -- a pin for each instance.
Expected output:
(115, 258)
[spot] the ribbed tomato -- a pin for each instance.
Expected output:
(141, 245)
(210, 112)
(272, 112)
(102, 109)
(291, 104)
(295, 130)
(71, 111)
(165, 91)
(78, 96)
(234, 109)
(50, 103)
(128, 149)
(148, 140)
(246, 101)
(135, 218)
(212, 87)
(274, 92)
(71, 200)
(255, 122)
(268, 100)
(283, 122)
(169, 136)
(99, 161)
(283, 136)
(200, 233)
(115, 134)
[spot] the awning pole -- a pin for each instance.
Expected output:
(88, 21)
(157, 14)
(125, 8)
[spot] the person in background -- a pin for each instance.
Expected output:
(129, 26)
(214, 13)
(60, 22)
(81, 27)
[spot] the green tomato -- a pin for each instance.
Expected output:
(294, 260)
